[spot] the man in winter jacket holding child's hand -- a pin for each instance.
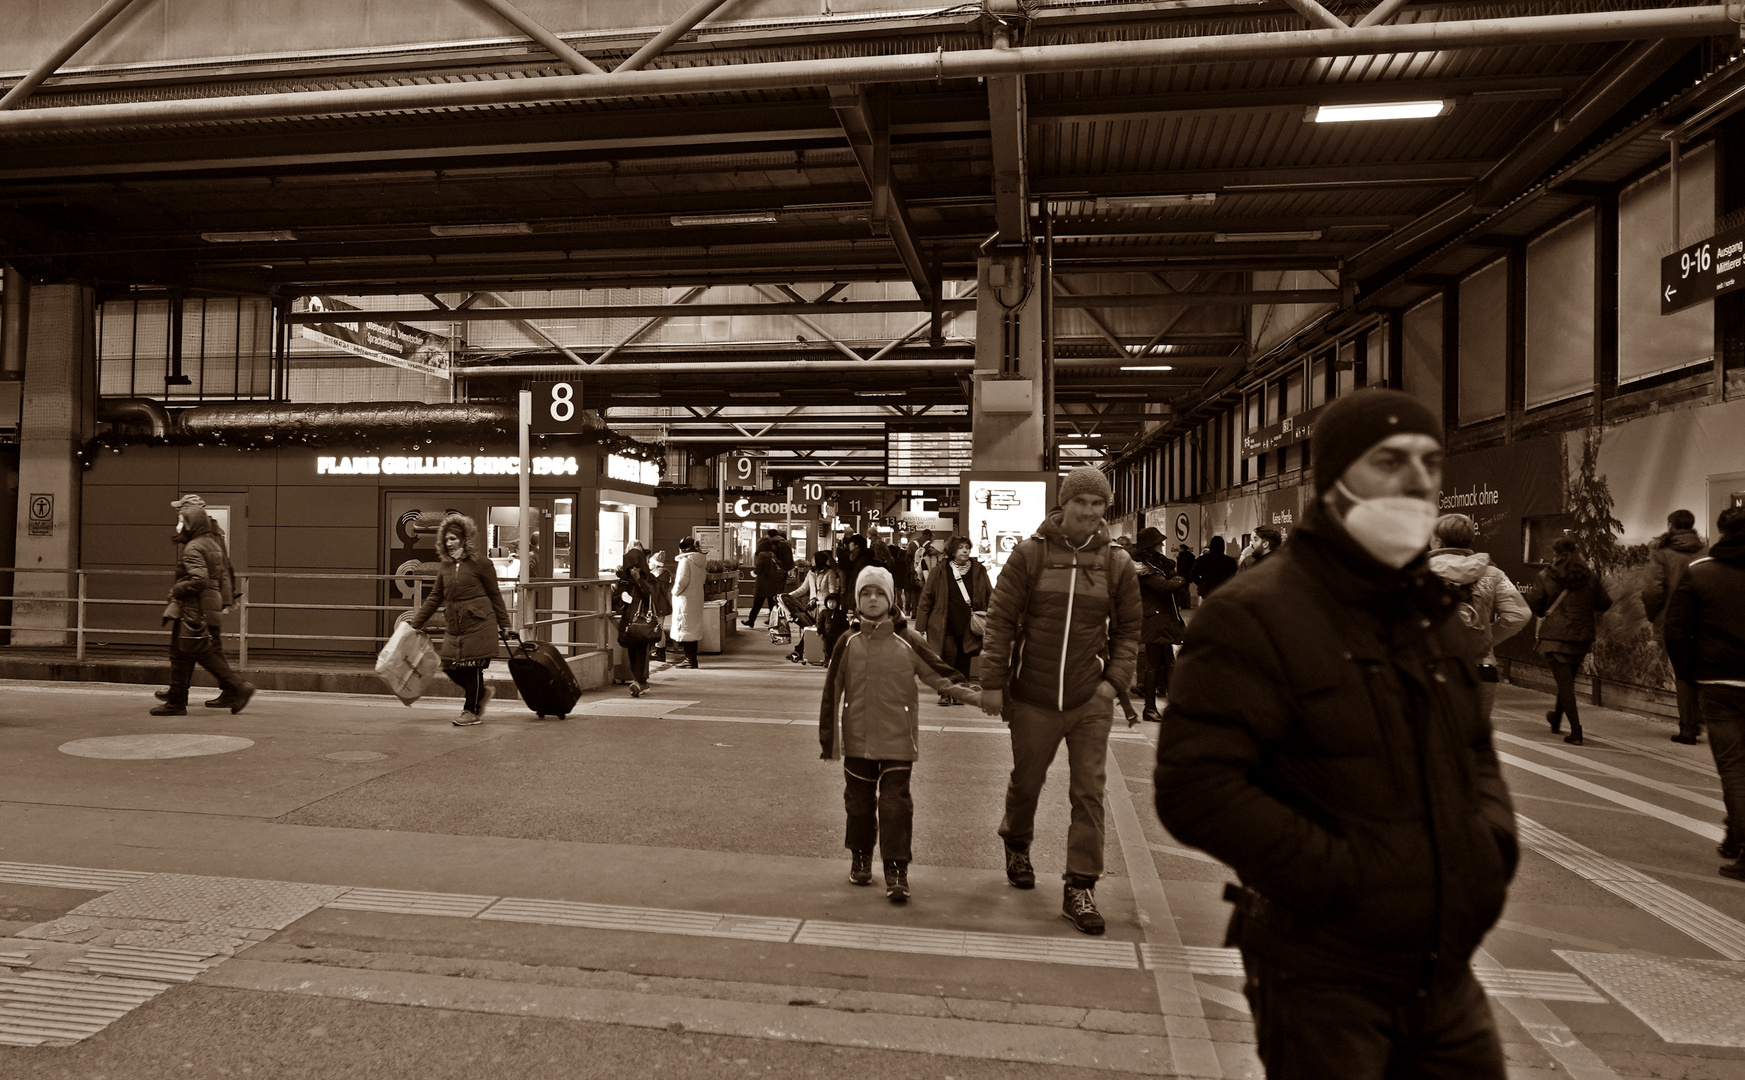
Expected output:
(869, 720)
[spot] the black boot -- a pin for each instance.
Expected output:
(860, 868)
(1555, 719)
(897, 882)
(1574, 736)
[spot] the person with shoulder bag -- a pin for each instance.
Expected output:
(638, 624)
(466, 590)
(203, 591)
(953, 607)
(1568, 598)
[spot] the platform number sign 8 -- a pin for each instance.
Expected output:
(557, 407)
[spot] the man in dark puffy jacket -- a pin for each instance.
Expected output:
(1162, 588)
(1061, 639)
(1213, 568)
(1324, 737)
(1705, 637)
(203, 591)
(1674, 550)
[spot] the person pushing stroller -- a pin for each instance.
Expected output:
(868, 718)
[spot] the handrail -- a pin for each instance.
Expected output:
(525, 597)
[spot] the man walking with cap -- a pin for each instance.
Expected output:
(204, 589)
(1325, 738)
(1067, 604)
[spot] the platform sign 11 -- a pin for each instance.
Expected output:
(1703, 271)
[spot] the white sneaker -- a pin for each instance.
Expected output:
(468, 719)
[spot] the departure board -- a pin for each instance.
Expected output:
(917, 456)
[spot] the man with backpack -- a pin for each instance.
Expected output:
(1068, 604)
(204, 589)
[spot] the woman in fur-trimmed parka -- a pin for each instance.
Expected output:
(466, 589)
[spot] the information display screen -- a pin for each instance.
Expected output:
(999, 509)
(917, 456)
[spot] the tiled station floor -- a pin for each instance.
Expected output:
(343, 886)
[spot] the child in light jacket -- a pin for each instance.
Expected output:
(869, 719)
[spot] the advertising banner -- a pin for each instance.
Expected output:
(392, 343)
(1506, 490)
(1000, 508)
(1282, 507)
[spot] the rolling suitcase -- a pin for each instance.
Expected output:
(812, 646)
(543, 678)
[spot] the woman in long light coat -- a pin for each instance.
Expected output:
(688, 581)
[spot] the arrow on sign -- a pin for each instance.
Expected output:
(1670, 293)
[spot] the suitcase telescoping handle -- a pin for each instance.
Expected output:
(505, 635)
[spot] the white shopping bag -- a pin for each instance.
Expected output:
(407, 662)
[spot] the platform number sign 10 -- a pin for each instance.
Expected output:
(809, 491)
(557, 408)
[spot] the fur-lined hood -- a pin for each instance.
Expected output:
(466, 529)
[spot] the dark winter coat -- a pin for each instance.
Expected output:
(204, 584)
(1064, 618)
(1184, 564)
(1161, 591)
(934, 606)
(1568, 627)
(772, 574)
(470, 598)
(1705, 619)
(850, 567)
(1213, 568)
(1324, 737)
(1673, 552)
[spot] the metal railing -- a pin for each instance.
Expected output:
(582, 624)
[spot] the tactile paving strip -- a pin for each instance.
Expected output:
(1684, 1001)
(398, 902)
(1720, 932)
(211, 901)
(647, 920)
(1541, 985)
(67, 877)
(159, 965)
(1193, 959)
(1117, 954)
(61, 1007)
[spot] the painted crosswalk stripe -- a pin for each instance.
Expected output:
(1707, 830)
(1587, 761)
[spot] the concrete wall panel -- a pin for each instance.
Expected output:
(301, 507)
(328, 549)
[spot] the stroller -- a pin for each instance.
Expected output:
(791, 612)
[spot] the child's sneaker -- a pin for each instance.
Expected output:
(897, 882)
(860, 868)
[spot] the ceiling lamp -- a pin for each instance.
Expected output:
(499, 228)
(261, 236)
(1381, 110)
(1262, 237)
(1152, 202)
(760, 218)
(1146, 367)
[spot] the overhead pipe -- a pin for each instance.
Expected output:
(123, 410)
(659, 42)
(706, 367)
(1316, 14)
(1381, 13)
(506, 313)
(1664, 23)
(93, 26)
(552, 44)
(389, 418)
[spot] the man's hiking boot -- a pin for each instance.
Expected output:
(1018, 869)
(860, 868)
(1080, 908)
(897, 882)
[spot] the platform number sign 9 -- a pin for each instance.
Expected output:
(557, 408)
(741, 470)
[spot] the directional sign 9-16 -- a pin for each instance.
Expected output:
(1703, 271)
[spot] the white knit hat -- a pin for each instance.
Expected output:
(875, 577)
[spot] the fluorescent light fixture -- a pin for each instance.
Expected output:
(1381, 110)
(262, 236)
(762, 218)
(1074, 446)
(1146, 367)
(1261, 237)
(498, 228)
(1151, 202)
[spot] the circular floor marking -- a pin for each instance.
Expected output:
(354, 757)
(150, 747)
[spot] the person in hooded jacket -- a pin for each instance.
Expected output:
(633, 598)
(869, 719)
(1705, 637)
(1213, 568)
(1324, 739)
(1162, 589)
(1674, 550)
(203, 591)
(689, 588)
(1495, 608)
(1059, 647)
(853, 555)
(466, 590)
(1569, 598)
(660, 601)
(957, 590)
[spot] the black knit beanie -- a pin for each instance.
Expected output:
(1353, 424)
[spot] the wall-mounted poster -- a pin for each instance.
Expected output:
(998, 509)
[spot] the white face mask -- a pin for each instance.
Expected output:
(1395, 529)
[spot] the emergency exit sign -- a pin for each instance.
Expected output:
(1703, 271)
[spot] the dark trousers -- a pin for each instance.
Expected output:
(471, 681)
(1690, 717)
(1564, 672)
(638, 653)
(1311, 1029)
(1160, 664)
(876, 796)
(951, 651)
(758, 602)
(1723, 709)
(203, 647)
(690, 652)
